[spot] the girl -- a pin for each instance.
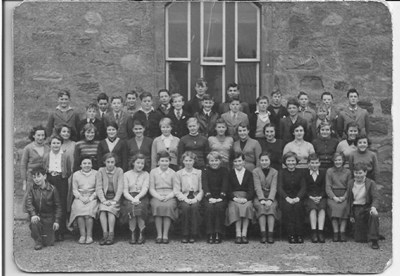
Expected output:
(291, 188)
(84, 207)
(221, 143)
(189, 193)
(337, 179)
(241, 193)
(195, 143)
(250, 148)
(109, 187)
(86, 147)
(273, 146)
(259, 119)
(59, 168)
(265, 184)
(348, 146)
(135, 204)
(302, 148)
(140, 144)
(215, 185)
(165, 142)
(68, 146)
(163, 202)
(325, 145)
(364, 155)
(115, 145)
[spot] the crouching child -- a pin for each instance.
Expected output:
(44, 208)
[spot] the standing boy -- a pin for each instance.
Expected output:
(103, 105)
(194, 105)
(119, 116)
(332, 112)
(234, 117)
(91, 111)
(277, 111)
(131, 101)
(207, 118)
(165, 106)
(178, 116)
(44, 209)
(304, 110)
(293, 118)
(233, 91)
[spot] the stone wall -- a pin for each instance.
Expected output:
(115, 46)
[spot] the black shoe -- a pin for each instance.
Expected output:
(314, 236)
(165, 241)
(158, 240)
(292, 239)
(104, 239)
(335, 237)
(141, 238)
(61, 237)
(38, 245)
(300, 239)
(185, 239)
(192, 240)
(263, 237)
(245, 240)
(375, 244)
(321, 237)
(342, 237)
(218, 238)
(110, 239)
(133, 238)
(270, 237)
(210, 239)
(238, 240)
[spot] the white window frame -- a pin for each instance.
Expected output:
(257, 75)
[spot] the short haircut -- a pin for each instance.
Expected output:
(296, 125)
(192, 120)
(360, 166)
(288, 155)
(352, 124)
(110, 155)
(326, 93)
(165, 121)
(136, 157)
(263, 97)
(57, 137)
(112, 124)
(83, 157)
(312, 156)
(38, 170)
(276, 91)
(71, 130)
(237, 155)
(324, 124)
(33, 132)
(302, 93)
(293, 101)
(163, 154)
(116, 98)
(92, 106)
(362, 136)
(322, 108)
(337, 154)
(138, 122)
(234, 98)
(64, 92)
(221, 121)
(201, 82)
(164, 90)
(87, 127)
(215, 155)
(207, 97)
(265, 153)
(352, 90)
(233, 85)
(243, 125)
(176, 96)
(132, 92)
(269, 125)
(102, 96)
(190, 154)
(145, 95)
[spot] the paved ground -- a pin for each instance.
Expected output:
(69, 256)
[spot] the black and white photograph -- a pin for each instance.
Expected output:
(201, 136)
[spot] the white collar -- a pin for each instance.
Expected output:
(151, 109)
(185, 172)
(63, 110)
(314, 172)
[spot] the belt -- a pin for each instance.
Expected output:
(55, 173)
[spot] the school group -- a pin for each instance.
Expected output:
(128, 162)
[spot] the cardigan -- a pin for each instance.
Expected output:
(145, 149)
(58, 117)
(291, 184)
(232, 123)
(215, 182)
(325, 148)
(337, 179)
(207, 123)
(123, 128)
(31, 159)
(197, 144)
(150, 120)
(188, 182)
(158, 146)
(265, 186)
(275, 149)
(136, 183)
(359, 115)
(179, 127)
(251, 152)
(120, 150)
(317, 187)
(369, 158)
(162, 183)
(66, 165)
(246, 186)
(102, 183)
(371, 199)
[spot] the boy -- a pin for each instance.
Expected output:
(194, 105)
(233, 91)
(353, 113)
(234, 117)
(91, 111)
(315, 202)
(277, 111)
(304, 110)
(363, 199)
(102, 103)
(119, 116)
(148, 116)
(322, 118)
(286, 123)
(165, 106)
(333, 113)
(178, 116)
(44, 209)
(207, 118)
(64, 114)
(131, 101)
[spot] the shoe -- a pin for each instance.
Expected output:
(335, 237)
(104, 239)
(245, 240)
(89, 240)
(110, 238)
(217, 238)
(38, 246)
(375, 244)
(342, 237)
(141, 238)
(158, 240)
(238, 240)
(263, 237)
(192, 240)
(210, 239)
(133, 238)
(270, 237)
(321, 237)
(82, 240)
(185, 239)
(291, 239)
(299, 239)
(381, 237)
(314, 236)
(165, 241)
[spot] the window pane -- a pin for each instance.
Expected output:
(247, 80)
(213, 76)
(178, 78)
(247, 30)
(177, 30)
(213, 34)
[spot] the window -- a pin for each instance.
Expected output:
(219, 41)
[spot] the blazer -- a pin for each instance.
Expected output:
(207, 123)
(224, 107)
(317, 187)
(122, 125)
(265, 187)
(251, 152)
(287, 136)
(179, 128)
(193, 105)
(360, 116)
(145, 149)
(158, 145)
(58, 117)
(151, 123)
(276, 117)
(100, 127)
(66, 164)
(120, 149)
(246, 186)
(371, 194)
(253, 118)
(232, 124)
(102, 183)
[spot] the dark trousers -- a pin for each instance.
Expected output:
(190, 218)
(293, 217)
(61, 185)
(42, 231)
(366, 226)
(215, 217)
